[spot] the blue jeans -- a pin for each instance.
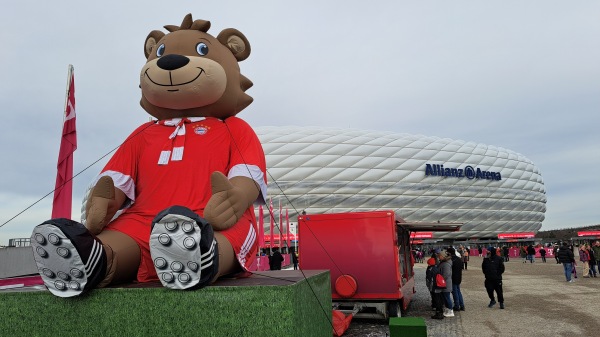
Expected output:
(568, 270)
(457, 295)
(448, 300)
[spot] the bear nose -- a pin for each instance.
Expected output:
(172, 61)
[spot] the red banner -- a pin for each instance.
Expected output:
(523, 235)
(421, 235)
(276, 238)
(287, 231)
(63, 189)
(261, 227)
(589, 233)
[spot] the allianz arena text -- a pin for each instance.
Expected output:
(491, 190)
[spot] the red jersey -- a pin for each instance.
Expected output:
(168, 163)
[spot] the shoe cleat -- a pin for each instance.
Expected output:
(175, 247)
(66, 272)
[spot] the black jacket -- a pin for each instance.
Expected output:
(275, 260)
(457, 266)
(565, 255)
(493, 267)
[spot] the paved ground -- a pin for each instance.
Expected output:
(538, 300)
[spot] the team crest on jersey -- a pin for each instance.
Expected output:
(201, 130)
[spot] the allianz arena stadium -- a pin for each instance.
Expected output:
(489, 189)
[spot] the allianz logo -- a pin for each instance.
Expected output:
(438, 170)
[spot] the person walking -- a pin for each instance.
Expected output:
(465, 258)
(596, 249)
(506, 253)
(556, 249)
(493, 268)
(294, 256)
(575, 250)
(479, 250)
(523, 254)
(530, 253)
(584, 257)
(593, 272)
(566, 257)
(543, 254)
(457, 267)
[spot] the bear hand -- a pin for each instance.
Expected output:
(228, 201)
(98, 204)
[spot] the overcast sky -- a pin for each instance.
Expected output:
(522, 75)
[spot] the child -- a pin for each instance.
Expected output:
(429, 280)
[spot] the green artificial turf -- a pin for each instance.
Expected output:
(299, 309)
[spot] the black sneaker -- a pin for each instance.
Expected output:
(69, 258)
(501, 305)
(438, 315)
(462, 308)
(492, 303)
(183, 249)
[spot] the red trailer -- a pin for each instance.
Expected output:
(369, 258)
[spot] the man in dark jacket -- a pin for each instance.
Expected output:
(493, 268)
(459, 304)
(276, 259)
(566, 257)
(506, 252)
(530, 253)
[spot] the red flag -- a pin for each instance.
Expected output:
(261, 227)
(280, 226)
(63, 190)
(271, 220)
(287, 230)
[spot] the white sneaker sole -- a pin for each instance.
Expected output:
(175, 253)
(59, 263)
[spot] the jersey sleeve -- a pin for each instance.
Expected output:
(122, 166)
(246, 157)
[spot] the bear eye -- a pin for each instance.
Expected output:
(202, 49)
(160, 50)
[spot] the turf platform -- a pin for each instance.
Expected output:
(272, 303)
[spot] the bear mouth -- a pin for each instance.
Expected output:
(172, 84)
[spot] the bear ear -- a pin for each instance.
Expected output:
(236, 42)
(151, 41)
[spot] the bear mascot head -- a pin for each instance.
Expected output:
(175, 201)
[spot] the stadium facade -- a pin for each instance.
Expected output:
(491, 190)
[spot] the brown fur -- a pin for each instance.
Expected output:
(162, 89)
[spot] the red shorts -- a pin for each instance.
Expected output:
(242, 237)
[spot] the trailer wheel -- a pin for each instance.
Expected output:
(394, 309)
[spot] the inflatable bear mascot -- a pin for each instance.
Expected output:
(175, 202)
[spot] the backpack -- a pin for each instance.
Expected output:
(436, 278)
(440, 281)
